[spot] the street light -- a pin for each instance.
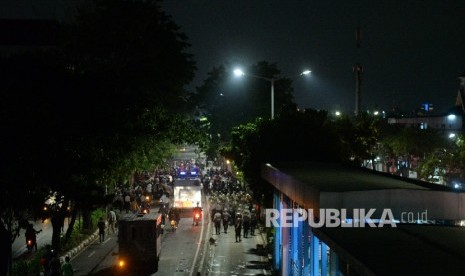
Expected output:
(239, 73)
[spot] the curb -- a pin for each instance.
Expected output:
(73, 252)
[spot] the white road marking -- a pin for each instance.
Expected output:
(90, 255)
(200, 242)
(198, 247)
(106, 240)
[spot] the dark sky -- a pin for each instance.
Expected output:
(412, 51)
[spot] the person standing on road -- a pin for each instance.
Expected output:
(237, 228)
(246, 226)
(112, 221)
(67, 268)
(134, 206)
(226, 221)
(253, 223)
(217, 220)
(127, 202)
(101, 229)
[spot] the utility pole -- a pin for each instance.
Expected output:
(358, 71)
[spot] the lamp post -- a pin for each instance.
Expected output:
(240, 73)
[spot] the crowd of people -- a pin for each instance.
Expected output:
(147, 188)
(234, 209)
(231, 205)
(220, 181)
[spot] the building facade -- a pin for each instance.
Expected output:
(451, 120)
(424, 215)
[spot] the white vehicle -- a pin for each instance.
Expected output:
(187, 193)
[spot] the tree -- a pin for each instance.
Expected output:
(412, 142)
(29, 91)
(360, 136)
(445, 160)
(130, 65)
(135, 49)
(294, 136)
(94, 110)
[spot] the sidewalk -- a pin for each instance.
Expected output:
(247, 257)
(228, 257)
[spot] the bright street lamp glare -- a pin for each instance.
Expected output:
(238, 72)
(451, 117)
(306, 72)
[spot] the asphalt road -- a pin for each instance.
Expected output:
(228, 257)
(181, 249)
(188, 251)
(180, 254)
(98, 258)
(185, 254)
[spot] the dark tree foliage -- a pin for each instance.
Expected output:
(428, 145)
(360, 136)
(136, 49)
(30, 104)
(293, 136)
(30, 163)
(94, 110)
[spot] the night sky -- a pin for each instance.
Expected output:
(412, 51)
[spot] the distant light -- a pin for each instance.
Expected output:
(238, 72)
(227, 161)
(376, 113)
(456, 185)
(451, 117)
(452, 135)
(337, 113)
(306, 72)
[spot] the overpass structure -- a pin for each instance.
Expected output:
(387, 225)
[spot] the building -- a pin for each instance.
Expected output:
(425, 241)
(447, 122)
(452, 120)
